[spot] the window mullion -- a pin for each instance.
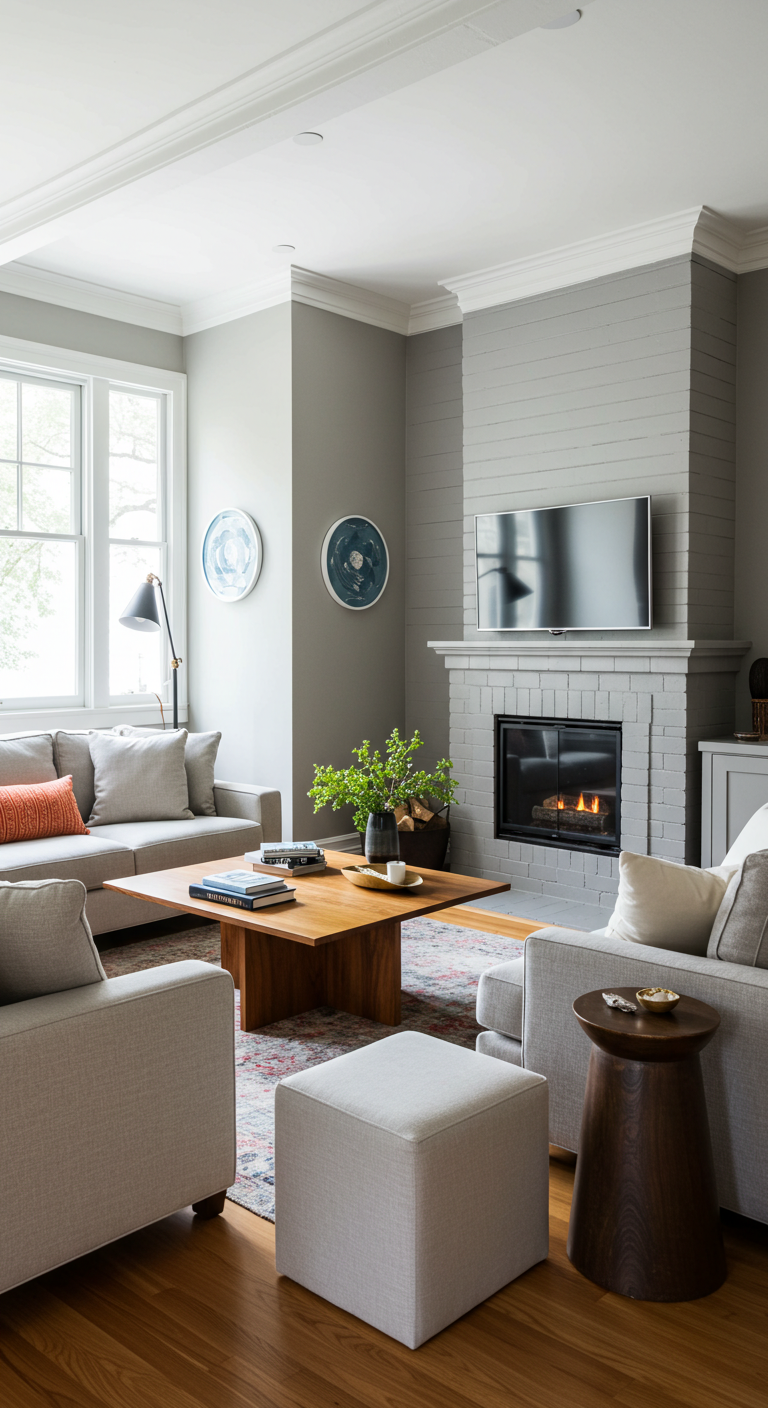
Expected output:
(97, 506)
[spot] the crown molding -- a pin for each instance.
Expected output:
(433, 313)
(576, 263)
(28, 282)
(695, 231)
(385, 46)
(299, 286)
(233, 303)
(336, 296)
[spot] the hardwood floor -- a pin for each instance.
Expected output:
(190, 1314)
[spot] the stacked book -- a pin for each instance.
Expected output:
(243, 889)
(289, 857)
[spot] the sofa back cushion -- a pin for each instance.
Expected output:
(39, 809)
(45, 942)
(140, 777)
(666, 905)
(200, 764)
(28, 759)
(739, 933)
(72, 755)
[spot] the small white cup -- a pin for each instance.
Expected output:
(396, 872)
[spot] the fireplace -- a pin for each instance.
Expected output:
(559, 783)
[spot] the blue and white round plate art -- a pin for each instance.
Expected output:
(355, 562)
(232, 554)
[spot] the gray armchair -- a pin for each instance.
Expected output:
(117, 1098)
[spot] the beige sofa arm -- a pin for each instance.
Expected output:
(117, 1106)
(252, 803)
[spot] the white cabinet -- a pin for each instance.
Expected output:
(734, 783)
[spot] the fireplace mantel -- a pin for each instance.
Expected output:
(664, 649)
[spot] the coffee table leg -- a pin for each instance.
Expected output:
(277, 977)
(361, 973)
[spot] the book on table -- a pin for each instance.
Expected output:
(240, 882)
(287, 850)
(277, 894)
(289, 865)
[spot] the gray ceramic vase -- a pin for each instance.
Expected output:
(382, 839)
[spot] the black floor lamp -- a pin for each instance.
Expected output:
(141, 614)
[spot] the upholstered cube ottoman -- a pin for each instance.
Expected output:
(411, 1181)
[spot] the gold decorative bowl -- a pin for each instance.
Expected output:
(657, 999)
(374, 877)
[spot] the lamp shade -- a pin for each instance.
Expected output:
(141, 613)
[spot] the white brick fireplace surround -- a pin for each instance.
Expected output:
(667, 694)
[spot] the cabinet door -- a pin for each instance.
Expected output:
(739, 787)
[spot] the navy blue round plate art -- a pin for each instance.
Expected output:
(355, 562)
(232, 553)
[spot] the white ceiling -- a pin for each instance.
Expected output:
(505, 148)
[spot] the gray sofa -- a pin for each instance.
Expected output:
(246, 815)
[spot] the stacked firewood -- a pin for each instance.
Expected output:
(414, 815)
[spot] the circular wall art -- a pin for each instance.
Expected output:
(355, 562)
(231, 554)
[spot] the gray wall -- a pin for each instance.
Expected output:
(348, 457)
(751, 597)
(240, 659)
(712, 490)
(35, 321)
(584, 394)
(434, 526)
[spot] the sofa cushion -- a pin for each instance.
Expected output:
(32, 810)
(66, 858)
(139, 778)
(666, 905)
(199, 763)
(28, 759)
(739, 931)
(72, 755)
(45, 943)
(162, 845)
(500, 998)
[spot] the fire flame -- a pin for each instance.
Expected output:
(581, 805)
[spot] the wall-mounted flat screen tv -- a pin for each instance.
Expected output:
(582, 567)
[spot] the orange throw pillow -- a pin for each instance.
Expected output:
(31, 811)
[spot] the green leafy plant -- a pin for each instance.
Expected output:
(379, 784)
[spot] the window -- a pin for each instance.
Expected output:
(91, 500)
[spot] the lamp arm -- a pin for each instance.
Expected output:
(175, 662)
(156, 580)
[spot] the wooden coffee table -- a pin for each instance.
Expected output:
(335, 945)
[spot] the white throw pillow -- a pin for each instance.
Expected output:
(667, 905)
(139, 778)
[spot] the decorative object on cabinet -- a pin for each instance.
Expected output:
(355, 562)
(758, 688)
(232, 554)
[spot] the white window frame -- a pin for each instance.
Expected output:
(95, 375)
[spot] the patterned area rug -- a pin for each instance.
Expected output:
(441, 965)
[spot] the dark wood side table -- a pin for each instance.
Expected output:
(645, 1220)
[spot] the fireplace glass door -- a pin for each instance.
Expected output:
(558, 784)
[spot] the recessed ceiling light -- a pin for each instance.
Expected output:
(572, 17)
(283, 248)
(308, 139)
